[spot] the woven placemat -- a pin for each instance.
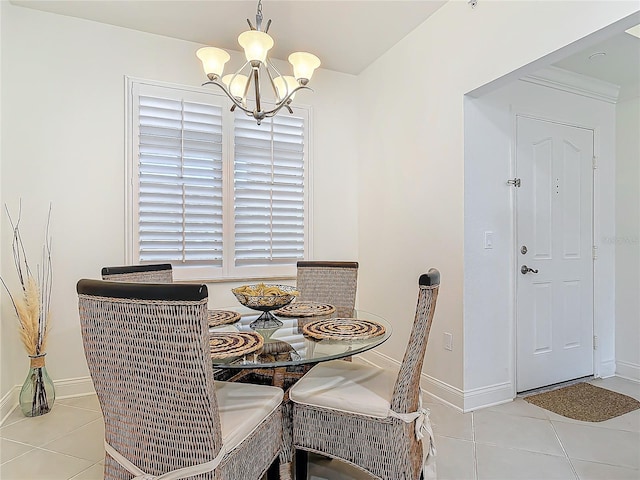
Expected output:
(305, 309)
(585, 402)
(234, 344)
(222, 317)
(342, 329)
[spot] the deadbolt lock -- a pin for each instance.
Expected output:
(523, 249)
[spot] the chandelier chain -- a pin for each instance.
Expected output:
(259, 15)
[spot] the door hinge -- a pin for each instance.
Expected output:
(514, 181)
(595, 162)
(594, 252)
(595, 342)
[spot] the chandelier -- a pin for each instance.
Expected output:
(256, 44)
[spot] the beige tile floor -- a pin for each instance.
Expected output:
(513, 441)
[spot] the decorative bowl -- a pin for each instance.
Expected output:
(265, 297)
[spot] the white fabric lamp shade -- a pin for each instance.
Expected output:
(213, 60)
(285, 85)
(303, 64)
(256, 45)
(236, 84)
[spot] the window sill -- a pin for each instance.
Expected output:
(238, 279)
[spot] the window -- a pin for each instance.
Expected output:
(212, 192)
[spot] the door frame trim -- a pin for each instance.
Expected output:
(524, 113)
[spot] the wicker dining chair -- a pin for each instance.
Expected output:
(328, 282)
(370, 417)
(147, 348)
(153, 273)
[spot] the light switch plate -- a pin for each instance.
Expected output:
(488, 240)
(447, 341)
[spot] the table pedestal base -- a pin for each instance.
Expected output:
(266, 320)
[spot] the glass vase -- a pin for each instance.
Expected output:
(37, 394)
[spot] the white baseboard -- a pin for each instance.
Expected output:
(628, 370)
(379, 359)
(67, 388)
(461, 400)
(443, 392)
(452, 396)
(74, 387)
(482, 397)
(8, 403)
(607, 369)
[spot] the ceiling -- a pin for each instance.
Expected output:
(616, 60)
(347, 35)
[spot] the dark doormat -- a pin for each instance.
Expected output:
(585, 402)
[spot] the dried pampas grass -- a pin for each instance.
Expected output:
(32, 306)
(28, 310)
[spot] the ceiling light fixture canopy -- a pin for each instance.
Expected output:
(256, 44)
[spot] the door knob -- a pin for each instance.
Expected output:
(524, 270)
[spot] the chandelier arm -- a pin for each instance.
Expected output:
(254, 113)
(283, 102)
(273, 113)
(228, 93)
(246, 91)
(268, 64)
(246, 85)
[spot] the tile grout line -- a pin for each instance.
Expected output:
(99, 410)
(19, 455)
(475, 445)
(72, 432)
(555, 432)
(521, 449)
(587, 424)
(24, 418)
(40, 447)
(85, 470)
(17, 441)
(34, 449)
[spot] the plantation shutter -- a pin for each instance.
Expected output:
(269, 191)
(180, 180)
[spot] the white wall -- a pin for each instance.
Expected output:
(63, 130)
(5, 382)
(489, 274)
(627, 238)
(411, 137)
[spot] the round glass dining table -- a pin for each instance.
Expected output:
(286, 345)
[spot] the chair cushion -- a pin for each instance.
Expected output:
(348, 387)
(242, 407)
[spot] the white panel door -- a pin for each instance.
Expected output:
(554, 290)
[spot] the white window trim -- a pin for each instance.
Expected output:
(229, 272)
